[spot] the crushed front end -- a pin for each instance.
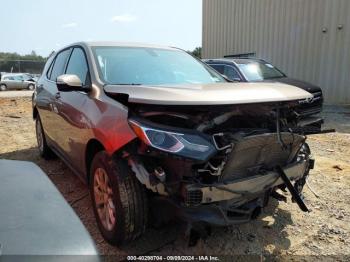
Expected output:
(217, 164)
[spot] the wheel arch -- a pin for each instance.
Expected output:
(92, 148)
(35, 113)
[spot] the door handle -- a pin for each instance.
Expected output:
(57, 95)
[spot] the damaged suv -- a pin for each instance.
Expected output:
(158, 134)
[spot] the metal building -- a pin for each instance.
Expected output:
(307, 39)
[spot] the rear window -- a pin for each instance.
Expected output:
(8, 78)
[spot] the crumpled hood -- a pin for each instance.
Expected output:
(209, 94)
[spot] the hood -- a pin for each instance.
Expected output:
(209, 94)
(301, 84)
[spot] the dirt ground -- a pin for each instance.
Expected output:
(16, 93)
(281, 230)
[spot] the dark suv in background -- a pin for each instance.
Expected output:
(246, 69)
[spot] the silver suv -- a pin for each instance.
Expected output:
(16, 81)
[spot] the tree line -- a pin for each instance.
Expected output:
(15, 56)
(16, 63)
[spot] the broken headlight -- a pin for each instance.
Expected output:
(179, 143)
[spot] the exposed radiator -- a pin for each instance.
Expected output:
(260, 152)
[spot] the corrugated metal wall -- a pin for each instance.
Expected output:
(288, 33)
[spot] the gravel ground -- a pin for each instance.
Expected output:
(281, 230)
(16, 93)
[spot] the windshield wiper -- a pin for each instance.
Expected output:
(127, 84)
(274, 77)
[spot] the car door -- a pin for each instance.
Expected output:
(12, 82)
(17, 82)
(8, 81)
(47, 96)
(21, 82)
(71, 107)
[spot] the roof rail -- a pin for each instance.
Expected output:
(242, 55)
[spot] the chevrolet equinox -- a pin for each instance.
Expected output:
(156, 133)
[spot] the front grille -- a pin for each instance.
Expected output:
(310, 107)
(310, 110)
(254, 154)
(193, 197)
(317, 98)
(317, 94)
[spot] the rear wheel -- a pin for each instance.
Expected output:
(31, 87)
(44, 149)
(3, 87)
(119, 200)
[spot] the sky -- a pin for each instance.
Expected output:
(47, 25)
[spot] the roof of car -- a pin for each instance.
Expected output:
(235, 60)
(123, 44)
(11, 74)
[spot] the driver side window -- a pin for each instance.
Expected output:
(59, 64)
(18, 78)
(77, 65)
(231, 73)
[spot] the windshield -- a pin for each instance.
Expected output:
(259, 71)
(151, 66)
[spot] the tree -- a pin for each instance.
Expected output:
(197, 52)
(13, 62)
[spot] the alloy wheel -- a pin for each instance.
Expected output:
(103, 195)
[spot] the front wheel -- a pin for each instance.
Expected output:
(31, 87)
(119, 200)
(3, 87)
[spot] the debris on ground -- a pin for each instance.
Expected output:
(337, 167)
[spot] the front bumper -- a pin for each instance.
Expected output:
(237, 201)
(242, 188)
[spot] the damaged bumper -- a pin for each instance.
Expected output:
(237, 201)
(241, 188)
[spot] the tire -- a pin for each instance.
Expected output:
(31, 87)
(122, 194)
(44, 149)
(3, 87)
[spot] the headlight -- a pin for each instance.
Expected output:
(187, 145)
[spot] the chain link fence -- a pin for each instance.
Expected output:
(22, 66)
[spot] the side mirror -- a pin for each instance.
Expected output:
(69, 83)
(236, 79)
